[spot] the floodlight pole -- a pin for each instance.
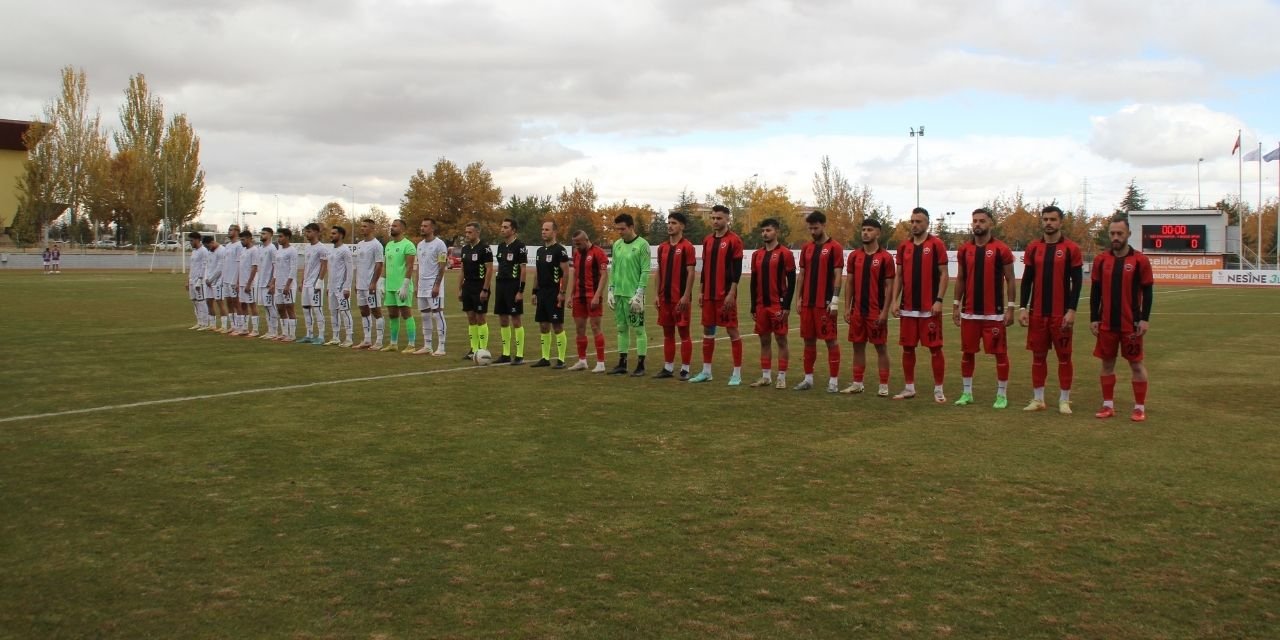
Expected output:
(917, 133)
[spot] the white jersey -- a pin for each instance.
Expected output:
(231, 263)
(266, 265)
(286, 268)
(248, 259)
(341, 267)
(368, 256)
(433, 257)
(317, 255)
(216, 265)
(199, 263)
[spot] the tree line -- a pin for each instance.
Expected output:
(144, 174)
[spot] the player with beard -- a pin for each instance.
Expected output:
(919, 285)
(984, 282)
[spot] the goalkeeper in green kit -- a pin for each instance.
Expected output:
(630, 273)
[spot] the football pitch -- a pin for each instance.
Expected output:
(158, 482)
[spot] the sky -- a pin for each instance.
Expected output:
(293, 99)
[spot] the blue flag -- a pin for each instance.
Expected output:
(1274, 155)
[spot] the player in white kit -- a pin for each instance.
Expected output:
(230, 280)
(314, 267)
(267, 283)
(248, 265)
(369, 263)
(433, 257)
(213, 280)
(286, 277)
(341, 268)
(195, 280)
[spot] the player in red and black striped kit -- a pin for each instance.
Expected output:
(721, 271)
(984, 304)
(821, 262)
(773, 287)
(918, 288)
(868, 280)
(676, 262)
(1051, 278)
(590, 279)
(1120, 312)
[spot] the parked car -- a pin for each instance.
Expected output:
(167, 245)
(455, 259)
(104, 244)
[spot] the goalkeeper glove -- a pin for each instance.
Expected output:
(404, 290)
(612, 304)
(637, 301)
(834, 305)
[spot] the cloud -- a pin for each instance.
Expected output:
(1146, 135)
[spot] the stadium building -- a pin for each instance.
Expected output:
(13, 156)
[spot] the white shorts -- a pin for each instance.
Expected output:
(431, 304)
(336, 301)
(312, 298)
(209, 291)
(57, 262)
(217, 290)
(264, 296)
(45, 263)
(229, 291)
(195, 291)
(367, 298)
(246, 295)
(284, 296)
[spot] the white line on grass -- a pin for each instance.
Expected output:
(290, 387)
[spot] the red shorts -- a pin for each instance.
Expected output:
(922, 331)
(991, 334)
(863, 330)
(714, 314)
(1046, 332)
(669, 317)
(817, 324)
(767, 321)
(1111, 343)
(582, 309)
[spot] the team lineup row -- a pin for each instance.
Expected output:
(229, 283)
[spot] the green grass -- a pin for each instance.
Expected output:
(518, 503)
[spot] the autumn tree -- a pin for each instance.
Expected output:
(381, 222)
(182, 178)
(453, 197)
(1017, 221)
(575, 210)
(61, 149)
(332, 214)
(642, 214)
(1249, 230)
(752, 202)
(141, 135)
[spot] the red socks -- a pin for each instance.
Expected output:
(859, 371)
(1065, 374)
(686, 345)
(1139, 391)
(1040, 370)
(582, 347)
(810, 356)
(1109, 387)
(708, 349)
(939, 362)
(735, 347)
(669, 344)
(884, 375)
(782, 365)
(833, 361)
(909, 365)
(599, 347)
(1002, 367)
(967, 362)
(766, 363)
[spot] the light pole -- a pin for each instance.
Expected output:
(950, 233)
(277, 210)
(239, 216)
(1199, 203)
(917, 133)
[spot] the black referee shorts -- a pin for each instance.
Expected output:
(471, 298)
(505, 303)
(549, 308)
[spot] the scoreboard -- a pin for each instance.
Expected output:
(1173, 238)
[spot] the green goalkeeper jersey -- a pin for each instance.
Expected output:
(397, 253)
(630, 270)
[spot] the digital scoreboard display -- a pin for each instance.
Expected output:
(1172, 238)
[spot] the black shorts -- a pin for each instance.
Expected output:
(549, 308)
(471, 298)
(505, 304)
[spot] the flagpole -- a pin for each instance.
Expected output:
(1240, 189)
(1260, 258)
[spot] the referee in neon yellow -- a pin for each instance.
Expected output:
(630, 273)
(399, 254)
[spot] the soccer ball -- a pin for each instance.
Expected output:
(483, 357)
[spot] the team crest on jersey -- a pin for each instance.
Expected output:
(990, 253)
(1059, 253)
(724, 245)
(679, 251)
(875, 263)
(510, 257)
(1128, 267)
(825, 250)
(927, 251)
(548, 257)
